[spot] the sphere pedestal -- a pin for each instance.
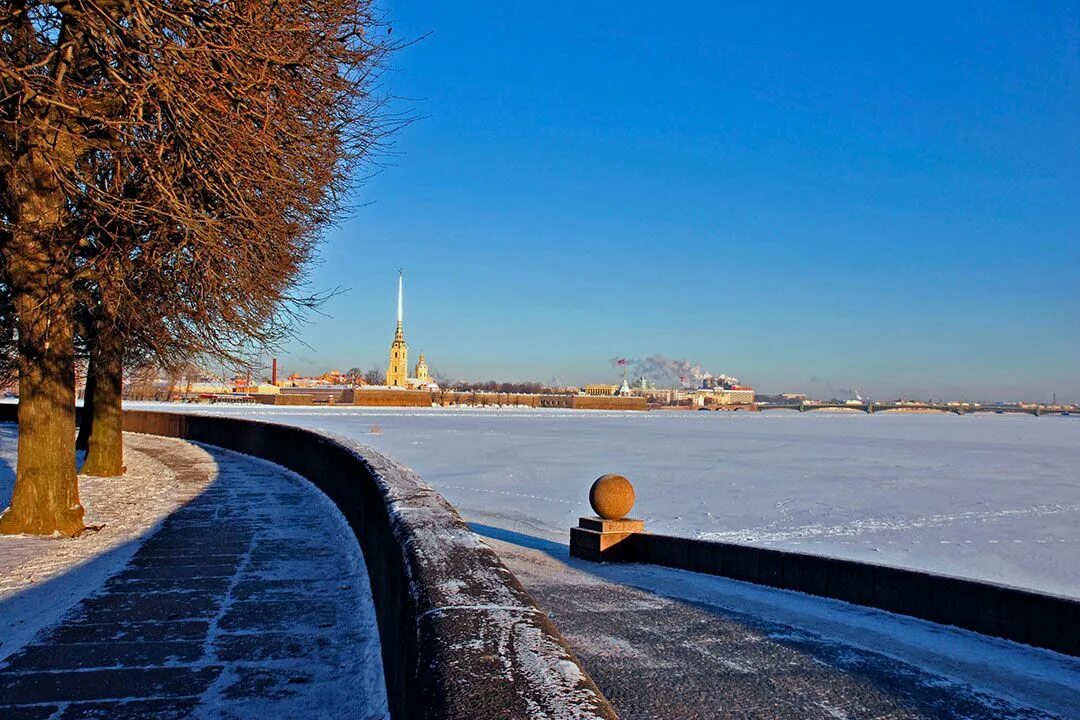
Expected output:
(601, 540)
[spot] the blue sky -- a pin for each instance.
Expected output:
(883, 198)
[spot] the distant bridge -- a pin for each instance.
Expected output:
(872, 407)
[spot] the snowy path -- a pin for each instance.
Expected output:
(36, 587)
(671, 645)
(250, 601)
(991, 497)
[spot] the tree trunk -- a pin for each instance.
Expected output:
(86, 420)
(46, 495)
(105, 456)
(40, 268)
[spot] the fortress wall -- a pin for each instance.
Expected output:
(555, 401)
(608, 402)
(581, 402)
(286, 399)
(392, 398)
(425, 398)
(454, 397)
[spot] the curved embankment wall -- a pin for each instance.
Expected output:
(461, 638)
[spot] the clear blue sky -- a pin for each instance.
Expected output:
(884, 197)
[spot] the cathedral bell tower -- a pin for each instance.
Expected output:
(397, 375)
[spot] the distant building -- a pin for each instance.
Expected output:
(423, 380)
(601, 389)
(731, 395)
(397, 375)
(736, 395)
(422, 370)
(663, 396)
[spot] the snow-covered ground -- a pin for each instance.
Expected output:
(993, 497)
(127, 510)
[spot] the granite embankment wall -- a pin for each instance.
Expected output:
(461, 638)
(1033, 618)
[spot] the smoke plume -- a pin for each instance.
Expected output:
(834, 392)
(666, 372)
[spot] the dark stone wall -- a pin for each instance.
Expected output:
(461, 638)
(1032, 618)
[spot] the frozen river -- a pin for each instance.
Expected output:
(993, 497)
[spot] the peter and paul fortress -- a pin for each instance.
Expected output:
(397, 374)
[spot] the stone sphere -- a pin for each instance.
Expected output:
(611, 497)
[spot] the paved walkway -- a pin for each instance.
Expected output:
(251, 601)
(669, 645)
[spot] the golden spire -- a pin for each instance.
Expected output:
(398, 372)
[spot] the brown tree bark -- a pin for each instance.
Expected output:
(105, 454)
(46, 495)
(40, 267)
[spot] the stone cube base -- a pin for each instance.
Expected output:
(602, 540)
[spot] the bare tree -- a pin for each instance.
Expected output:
(179, 157)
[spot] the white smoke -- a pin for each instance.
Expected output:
(666, 372)
(831, 392)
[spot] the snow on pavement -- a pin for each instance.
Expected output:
(991, 497)
(128, 508)
(738, 648)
